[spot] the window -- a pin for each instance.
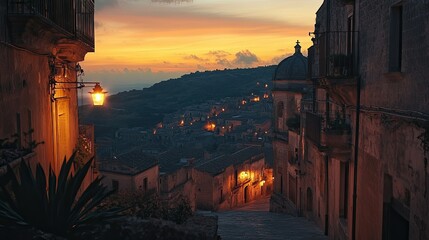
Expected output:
(344, 189)
(280, 110)
(115, 185)
(145, 184)
(395, 41)
(350, 35)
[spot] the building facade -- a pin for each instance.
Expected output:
(177, 178)
(131, 172)
(290, 89)
(232, 180)
(41, 44)
(363, 154)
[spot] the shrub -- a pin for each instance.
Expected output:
(149, 205)
(51, 204)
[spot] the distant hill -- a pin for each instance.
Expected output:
(148, 106)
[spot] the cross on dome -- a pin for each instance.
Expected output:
(297, 47)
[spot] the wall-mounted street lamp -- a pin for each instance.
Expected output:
(97, 94)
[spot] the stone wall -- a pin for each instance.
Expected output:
(384, 88)
(392, 169)
(26, 106)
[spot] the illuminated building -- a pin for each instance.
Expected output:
(361, 161)
(39, 46)
(232, 180)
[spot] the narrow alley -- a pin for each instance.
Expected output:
(254, 221)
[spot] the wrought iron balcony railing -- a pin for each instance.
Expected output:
(334, 132)
(75, 17)
(335, 54)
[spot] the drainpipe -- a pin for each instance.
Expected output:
(328, 29)
(356, 157)
(327, 195)
(356, 152)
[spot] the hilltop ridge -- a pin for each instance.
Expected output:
(146, 107)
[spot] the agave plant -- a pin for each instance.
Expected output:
(52, 204)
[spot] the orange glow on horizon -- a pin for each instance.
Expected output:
(197, 36)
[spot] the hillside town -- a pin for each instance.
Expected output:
(333, 146)
(225, 144)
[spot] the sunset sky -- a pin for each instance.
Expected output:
(140, 42)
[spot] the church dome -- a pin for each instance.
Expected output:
(293, 67)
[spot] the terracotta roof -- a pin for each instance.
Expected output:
(130, 163)
(174, 159)
(217, 165)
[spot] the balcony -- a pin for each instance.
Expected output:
(40, 25)
(334, 60)
(333, 136)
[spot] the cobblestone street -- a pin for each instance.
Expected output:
(254, 221)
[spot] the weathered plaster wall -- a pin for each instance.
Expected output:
(24, 89)
(280, 167)
(25, 94)
(389, 147)
(132, 183)
(380, 88)
(204, 190)
(178, 184)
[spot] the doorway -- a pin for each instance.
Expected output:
(246, 194)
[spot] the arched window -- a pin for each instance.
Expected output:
(309, 200)
(280, 107)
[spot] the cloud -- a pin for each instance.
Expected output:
(195, 57)
(173, 1)
(98, 24)
(224, 62)
(218, 53)
(245, 58)
(101, 4)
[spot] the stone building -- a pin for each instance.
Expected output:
(290, 89)
(362, 161)
(41, 44)
(176, 176)
(232, 180)
(131, 172)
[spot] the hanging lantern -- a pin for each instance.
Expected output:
(98, 95)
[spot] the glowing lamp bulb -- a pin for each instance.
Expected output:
(98, 95)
